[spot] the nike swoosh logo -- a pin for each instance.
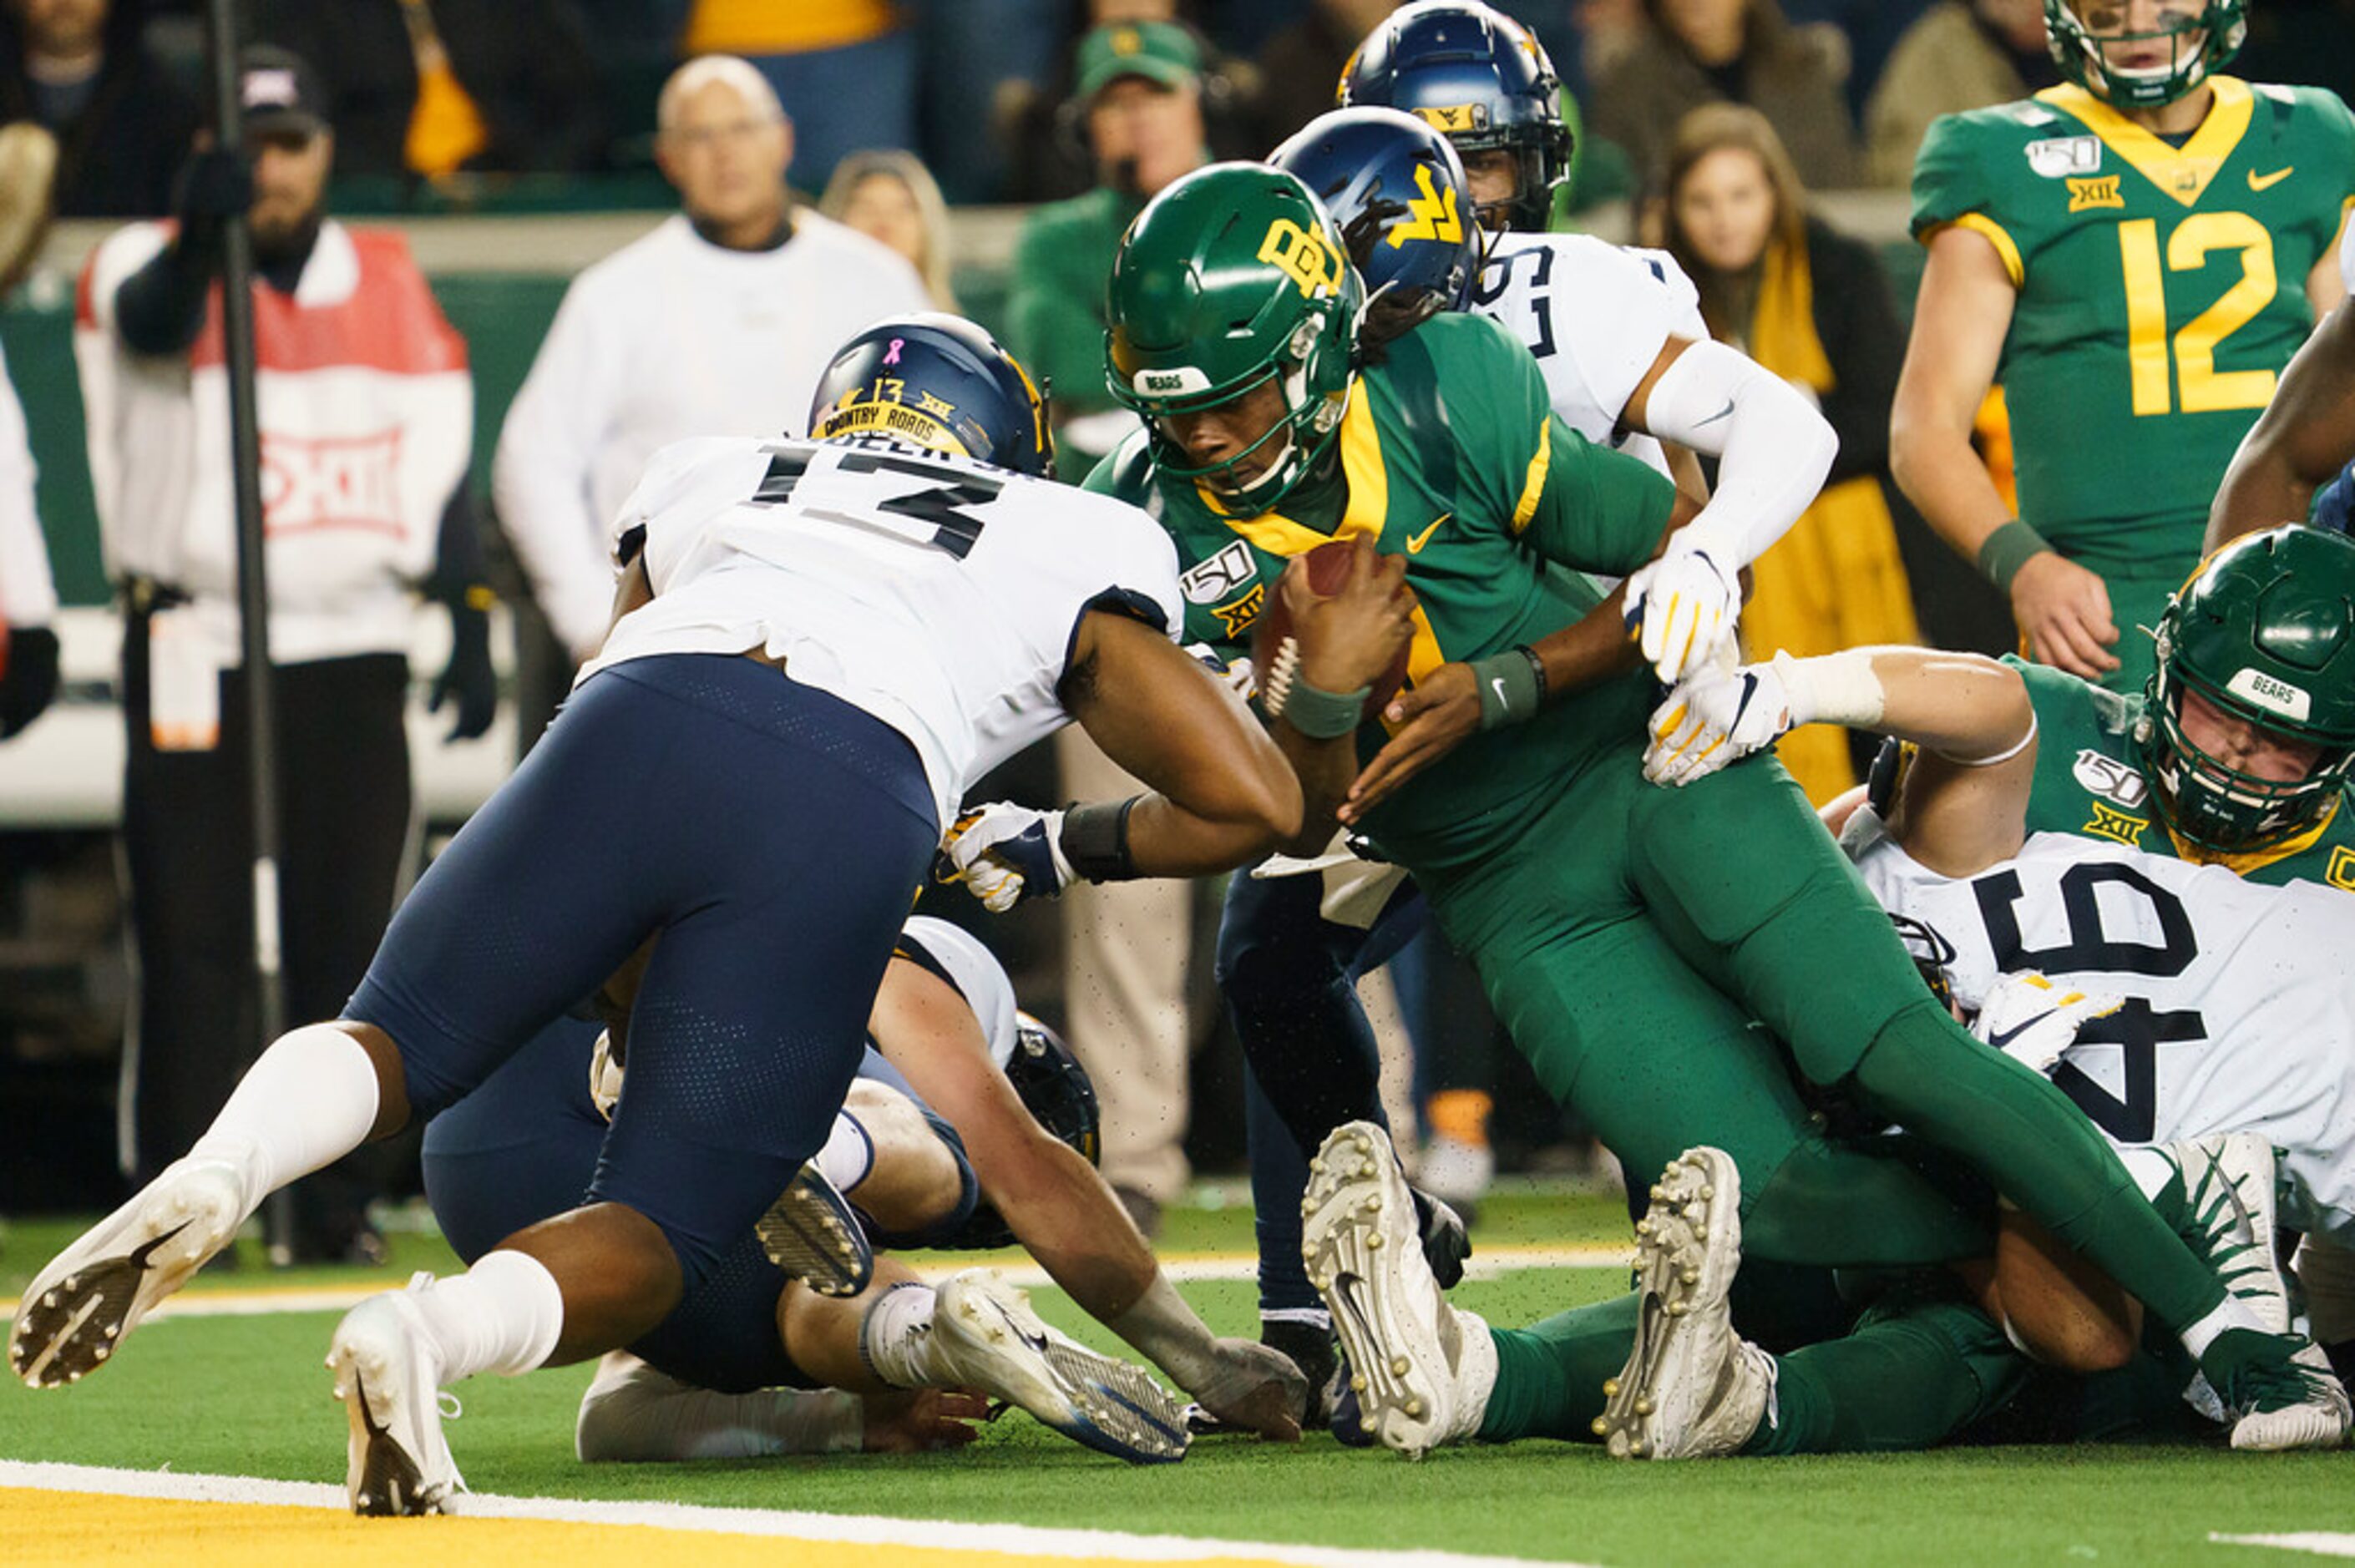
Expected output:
(1999, 1038)
(1497, 686)
(1415, 542)
(1727, 411)
(2266, 182)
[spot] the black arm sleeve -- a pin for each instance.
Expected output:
(161, 307)
(1857, 320)
(461, 568)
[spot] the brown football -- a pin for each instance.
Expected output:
(1328, 568)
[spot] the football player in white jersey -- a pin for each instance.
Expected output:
(970, 1126)
(817, 644)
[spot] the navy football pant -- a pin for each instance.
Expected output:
(773, 836)
(523, 1147)
(1289, 978)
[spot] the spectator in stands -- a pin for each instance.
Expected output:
(1692, 52)
(79, 68)
(1299, 66)
(889, 196)
(427, 88)
(1812, 305)
(28, 598)
(716, 323)
(1140, 93)
(1961, 55)
(366, 411)
(1127, 945)
(1046, 128)
(850, 66)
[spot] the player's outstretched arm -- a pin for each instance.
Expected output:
(1774, 450)
(1222, 794)
(1459, 699)
(1960, 319)
(1060, 1209)
(1970, 715)
(2304, 437)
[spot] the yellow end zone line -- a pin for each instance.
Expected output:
(66, 1514)
(1487, 1263)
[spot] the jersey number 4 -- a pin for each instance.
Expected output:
(2138, 1028)
(937, 513)
(2203, 389)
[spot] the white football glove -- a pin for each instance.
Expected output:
(1685, 605)
(2033, 1020)
(1005, 853)
(1720, 716)
(1236, 674)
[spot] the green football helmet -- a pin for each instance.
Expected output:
(2222, 24)
(2265, 631)
(1232, 277)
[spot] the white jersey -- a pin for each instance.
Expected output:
(938, 594)
(671, 338)
(2240, 1001)
(976, 975)
(1595, 315)
(28, 596)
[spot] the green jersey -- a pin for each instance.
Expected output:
(2091, 781)
(2160, 291)
(1450, 455)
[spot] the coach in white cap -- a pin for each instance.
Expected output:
(718, 323)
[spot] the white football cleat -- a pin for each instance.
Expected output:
(2230, 1179)
(1692, 1388)
(78, 1311)
(1422, 1370)
(985, 1338)
(388, 1373)
(2303, 1407)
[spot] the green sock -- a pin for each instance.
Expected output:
(1550, 1375)
(1904, 1379)
(2040, 1150)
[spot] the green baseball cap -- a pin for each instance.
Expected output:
(1163, 53)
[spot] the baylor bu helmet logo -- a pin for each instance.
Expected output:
(1303, 256)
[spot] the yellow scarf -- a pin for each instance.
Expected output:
(1835, 581)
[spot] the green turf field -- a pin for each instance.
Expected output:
(247, 1395)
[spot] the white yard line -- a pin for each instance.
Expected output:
(2320, 1542)
(864, 1530)
(1487, 1263)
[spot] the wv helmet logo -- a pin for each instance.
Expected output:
(1303, 256)
(1432, 214)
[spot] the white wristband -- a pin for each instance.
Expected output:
(1835, 688)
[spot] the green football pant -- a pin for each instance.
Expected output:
(1908, 1376)
(1631, 936)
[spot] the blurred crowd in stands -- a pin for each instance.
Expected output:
(438, 98)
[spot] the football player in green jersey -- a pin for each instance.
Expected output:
(1631, 939)
(2134, 255)
(2237, 754)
